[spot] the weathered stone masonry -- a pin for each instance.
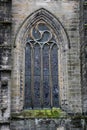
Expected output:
(5, 59)
(69, 19)
(16, 18)
(84, 56)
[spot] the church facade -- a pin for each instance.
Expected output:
(42, 60)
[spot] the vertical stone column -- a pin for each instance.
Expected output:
(15, 96)
(18, 74)
(63, 78)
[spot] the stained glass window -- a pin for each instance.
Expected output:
(41, 68)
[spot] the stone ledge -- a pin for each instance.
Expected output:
(4, 121)
(45, 113)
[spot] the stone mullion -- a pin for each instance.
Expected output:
(50, 79)
(32, 77)
(41, 82)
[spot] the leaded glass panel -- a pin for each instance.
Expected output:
(54, 69)
(46, 92)
(42, 27)
(41, 67)
(37, 63)
(55, 91)
(46, 60)
(28, 92)
(36, 91)
(54, 60)
(28, 60)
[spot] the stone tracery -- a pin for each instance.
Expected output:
(44, 24)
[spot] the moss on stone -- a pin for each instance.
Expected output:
(44, 113)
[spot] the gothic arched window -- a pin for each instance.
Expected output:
(41, 67)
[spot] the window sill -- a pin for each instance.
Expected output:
(42, 113)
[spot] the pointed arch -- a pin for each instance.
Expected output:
(46, 78)
(50, 19)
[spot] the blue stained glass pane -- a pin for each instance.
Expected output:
(55, 91)
(46, 92)
(28, 60)
(28, 92)
(54, 66)
(46, 60)
(46, 36)
(36, 91)
(42, 27)
(54, 60)
(37, 64)
(36, 34)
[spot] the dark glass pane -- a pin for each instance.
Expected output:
(46, 92)
(28, 76)
(46, 36)
(37, 64)
(36, 34)
(28, 92)
(54, 66)
(36, 91)
(28, 60)
(42, 27)
(55, 91)
(46, 60)
(54, 60)
(37, 76)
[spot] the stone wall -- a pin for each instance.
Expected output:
(5, 59)
(84, 55)
(47, 124)
(68, 13)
